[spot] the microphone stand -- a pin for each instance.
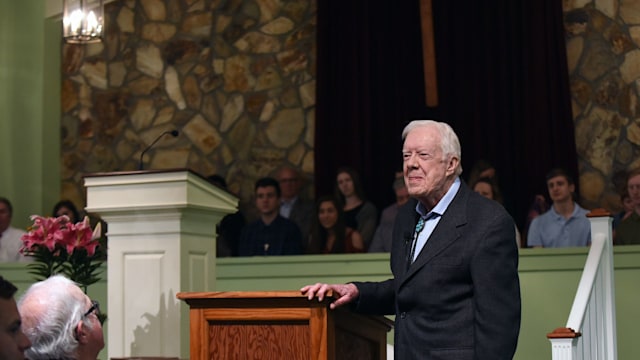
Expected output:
(173, 133)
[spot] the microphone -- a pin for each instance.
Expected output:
(173, 133)
(407, 237)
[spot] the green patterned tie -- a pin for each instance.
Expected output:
(416, 233)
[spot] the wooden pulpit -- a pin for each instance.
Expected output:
(280, 325)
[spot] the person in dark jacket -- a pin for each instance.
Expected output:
(271, 234)
(455, 290)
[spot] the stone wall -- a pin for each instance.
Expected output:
(236, 78)
(603, 38)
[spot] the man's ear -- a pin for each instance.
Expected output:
(81, 332)
(452, 165)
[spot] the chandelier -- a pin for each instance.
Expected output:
(83, 21)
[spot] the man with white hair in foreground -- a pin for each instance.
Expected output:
(61, 321)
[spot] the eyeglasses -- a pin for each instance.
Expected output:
(95, 306)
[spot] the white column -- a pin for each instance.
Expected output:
(161, 240)
(563, 349)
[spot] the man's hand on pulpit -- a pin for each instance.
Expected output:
(344, 293)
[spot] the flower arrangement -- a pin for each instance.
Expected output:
(59, 246)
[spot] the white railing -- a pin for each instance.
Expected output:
(590, 333)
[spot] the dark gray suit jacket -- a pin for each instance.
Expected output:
(460, 299)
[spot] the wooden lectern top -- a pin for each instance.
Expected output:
(238, 294)
(212, 295)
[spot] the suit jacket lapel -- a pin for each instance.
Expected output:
(446, 232)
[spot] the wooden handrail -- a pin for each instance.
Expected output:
(599, 212)
(563, 333)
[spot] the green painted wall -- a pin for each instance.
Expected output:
(549, 279)
(29, 108)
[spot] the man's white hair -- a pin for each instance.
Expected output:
(449, 142)
(50, 315)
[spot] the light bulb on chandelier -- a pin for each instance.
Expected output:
(83, 21)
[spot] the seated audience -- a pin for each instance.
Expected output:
(360, 214)
(293, 205)
(566, 223)
(488, 188)
(13, 341)
(229, 228)
(10, 237)
(61, 321)
(482, 169)
(628, 231)
(330, 235)
(538, 207)
(66, 207)
(382, 237)
(627, 209)
(271, 234)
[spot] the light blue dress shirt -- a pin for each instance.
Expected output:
(432, 218)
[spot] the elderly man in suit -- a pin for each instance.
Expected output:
(455, 289)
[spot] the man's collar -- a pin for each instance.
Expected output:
(443, 204)
(290, 201)
(269, 217)
(576, 209)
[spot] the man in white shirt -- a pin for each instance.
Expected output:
(10, 241)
